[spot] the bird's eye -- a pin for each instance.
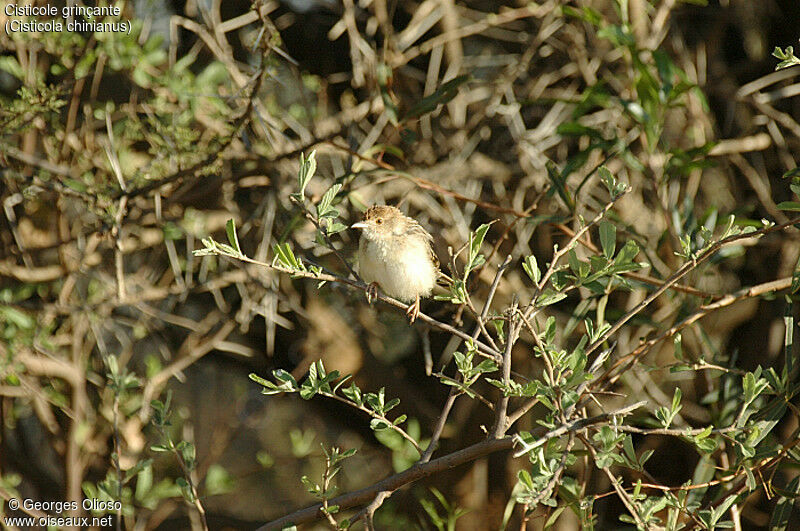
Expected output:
(379, 221)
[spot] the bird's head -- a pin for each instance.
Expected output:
(382, 221)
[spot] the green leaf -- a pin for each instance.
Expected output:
(335, 226)
(532, 269)
(287, 380)
(324, 208)
(285, 258)
(704, 442)
(486, 366)
(187, 451)
(476, 259)
(787, 58)
(627, 253)
(783, 509)
(617, 35)
(379, 424)
(308, 166)
(718, 511)
(795, 172)
(446, 92)
(74, 184)
(230, 228)
(525, 479)
(586, 14)
(354, 394)
(258, 379)
(384, 75)
(391, 404)
(10, 64)
(676, 400)
(550, 330)
(574, 263)
(560, 185)
(667, 415)
(218, 481)
(792, 206)
(576, 129)
(350, 452)
(608, 239)
(753, 386)
(614, 187)
(678, 344)
(549, 297)
(18, 318)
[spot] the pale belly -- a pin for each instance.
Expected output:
(405, 277)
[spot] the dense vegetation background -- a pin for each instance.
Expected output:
(653, 380)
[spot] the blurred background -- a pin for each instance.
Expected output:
(119, 152)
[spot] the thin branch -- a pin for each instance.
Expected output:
(440, 423)
(374, 415)
(480, 327)
(238, 124)
(483, 349)
(392, 483)
(422, 470)
(616, 483)
(727, 300)
(558, 253)
(562, 465)
(677, 432)
(451, 398)
(501, 409)
(368, 512)
(313, 219)
(680, 273)
(478, 27)
(639, 276)
(574, 426)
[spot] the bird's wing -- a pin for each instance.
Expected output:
(418, 229)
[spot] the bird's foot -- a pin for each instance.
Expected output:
(413, 311)
(372, 292)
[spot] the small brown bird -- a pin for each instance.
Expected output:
(395, 253)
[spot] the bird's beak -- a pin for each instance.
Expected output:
(359, 225)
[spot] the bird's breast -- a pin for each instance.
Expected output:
(404, 270)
